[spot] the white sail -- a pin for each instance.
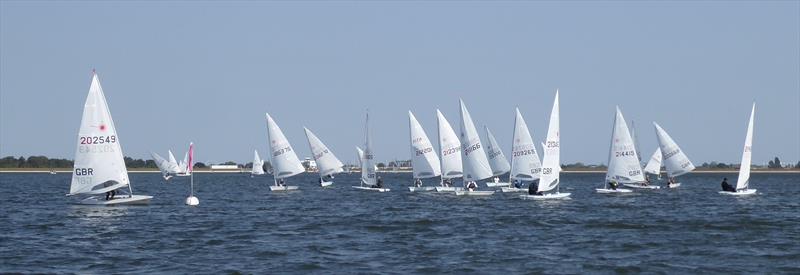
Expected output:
(368, 171)
(551, 164)
(623, 164)
(675, 161)
(360, 156)
(424, 160)
(327, 163)
(258, 164)
(747, 154)
(475, 164)
(99, 166)
(525, 164)
(173, 164)
(283, 159)
(497, 160)
(183, 167)
(162, 164)
(654, 164)
(449, 148)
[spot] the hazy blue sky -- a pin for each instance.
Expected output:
(207, 72)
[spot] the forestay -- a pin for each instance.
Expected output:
(327, 163)
(525, 164)
(475, 164)
(675, 161)
(623, 164)
(551, 164)
(744, 169)
(654, 164)
(284, 160)
(424, 159)
(449, 148)
(99, 166)
(497, 160)
(258, 164)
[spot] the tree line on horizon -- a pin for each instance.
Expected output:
(45, 162)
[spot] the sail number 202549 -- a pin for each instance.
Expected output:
(98, 140)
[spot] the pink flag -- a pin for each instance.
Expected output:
(191, 157)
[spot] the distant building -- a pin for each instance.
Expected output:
(225, 168)
(309, 164)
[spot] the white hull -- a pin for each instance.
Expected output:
(325, 183)
(123, 200)
(674, 185)
(610, 191)
(372, 189)
(513, 189)
(421, 188)
(553, 196)
(448, 189)
(638, 186)
(473, 193)
(282, 188)
(739, 193)
(498, 184)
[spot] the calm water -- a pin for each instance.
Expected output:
(240, 226)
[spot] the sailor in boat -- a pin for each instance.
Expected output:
(447, 182)
(646, 181)
(281, 182)
(533, 187)
(472, 185)
(418, 182)
(727, 186)
(378, 183)
(517, 184)
(496, 179)
(613, 184)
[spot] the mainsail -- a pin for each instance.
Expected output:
(623, 164)
(424, 160)
(475, 164)
(327, 163)
(551, 165)
(497, 160)
(283, 159)
(525, 164)
(675, 161)
(747, 154)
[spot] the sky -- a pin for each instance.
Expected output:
(207, 72)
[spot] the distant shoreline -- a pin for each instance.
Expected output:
(206, 170)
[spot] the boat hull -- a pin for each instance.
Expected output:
(512, 189)
(637, 186)
(283, 188)
(448, 189)
(127, 200)
(739, 193)
(473, 193)
(612, 191)
(372, 189)
(498, 184)
(421, 188)
(553, 196)
(325, 183)
(674, 185)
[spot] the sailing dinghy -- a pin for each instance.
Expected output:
(675, 161)
(548, 187)
(450, 151)
(369, 176)
(258, 165)
(99, 167)
(282, 157)
(653, 166)
(525, 164)
(623, 164)
(474, 161)
(497, 160)
(163, 166)
(327, 163)
(191, 200)
(743, 182)
(424, 160)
